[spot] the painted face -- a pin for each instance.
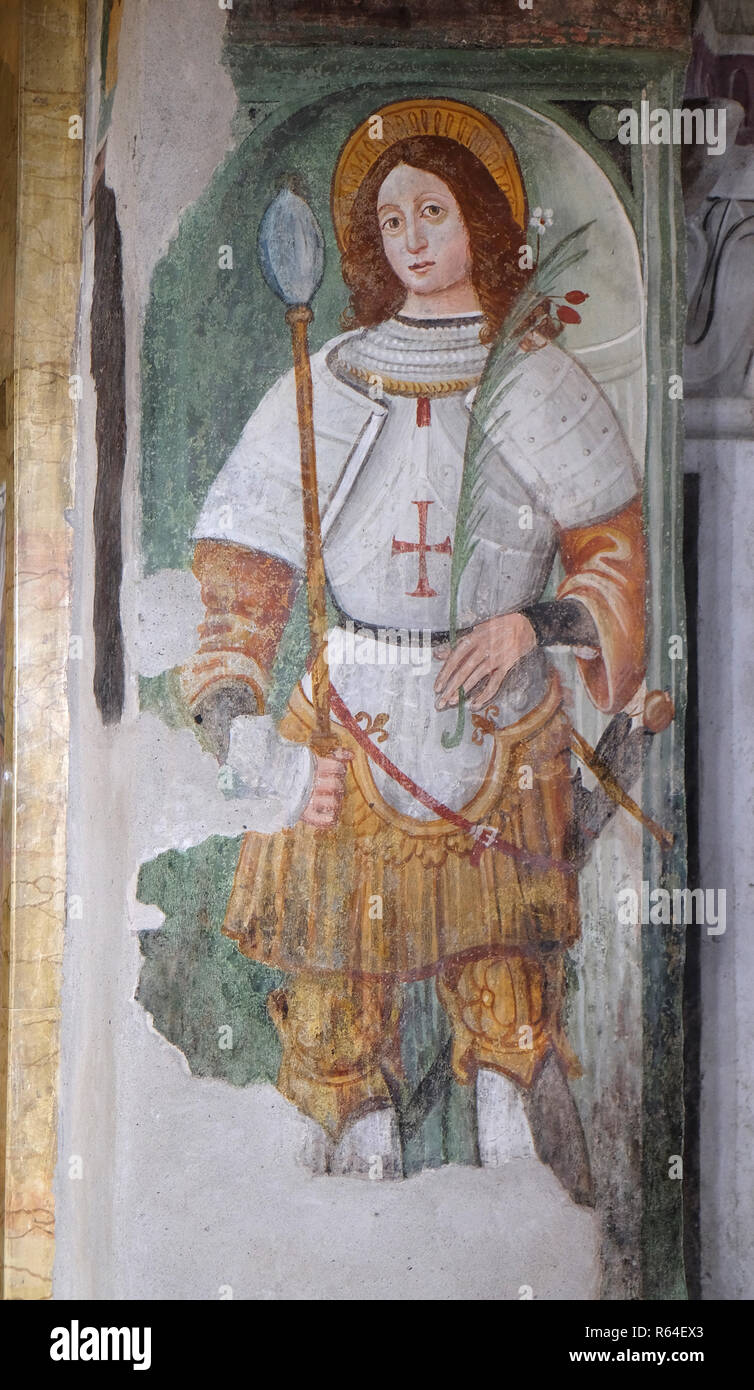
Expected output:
(423, 231)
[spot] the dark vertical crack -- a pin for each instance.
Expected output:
(692, 968)
(108, 361)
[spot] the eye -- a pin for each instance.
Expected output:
(433, 211)
(391, 224)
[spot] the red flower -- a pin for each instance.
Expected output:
(576, 296)
(567, 315)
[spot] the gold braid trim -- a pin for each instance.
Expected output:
(391, 386)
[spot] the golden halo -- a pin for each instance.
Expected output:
(424, 116)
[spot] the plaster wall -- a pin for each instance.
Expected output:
(720, 448)
(726, 815)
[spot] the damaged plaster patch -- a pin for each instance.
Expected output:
(171, 126)
(452, 1233)
(161, 614)
(173, 788)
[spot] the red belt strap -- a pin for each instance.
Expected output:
(486, 836)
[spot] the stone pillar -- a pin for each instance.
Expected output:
(720, 447)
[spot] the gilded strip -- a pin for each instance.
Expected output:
(48, 37)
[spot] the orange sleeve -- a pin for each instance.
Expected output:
(605, 566)
(247, 596)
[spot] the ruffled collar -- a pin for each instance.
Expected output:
(413, 357)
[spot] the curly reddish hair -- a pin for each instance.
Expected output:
(494, 235)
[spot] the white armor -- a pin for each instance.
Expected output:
(389, 487)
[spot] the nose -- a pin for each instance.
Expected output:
(416, 237)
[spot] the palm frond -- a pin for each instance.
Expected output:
(469, 515)
(497, 380)
(556, 261)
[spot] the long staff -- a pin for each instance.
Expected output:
(291, 252)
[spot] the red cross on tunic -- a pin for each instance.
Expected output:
(421, 548)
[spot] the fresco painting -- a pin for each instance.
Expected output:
(410, 487)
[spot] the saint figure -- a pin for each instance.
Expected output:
(367, 886)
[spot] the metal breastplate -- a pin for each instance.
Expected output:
(388, 555)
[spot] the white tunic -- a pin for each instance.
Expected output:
(389, 488)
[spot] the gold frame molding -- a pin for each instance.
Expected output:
(43, 71)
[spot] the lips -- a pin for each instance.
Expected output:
(421, 265)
